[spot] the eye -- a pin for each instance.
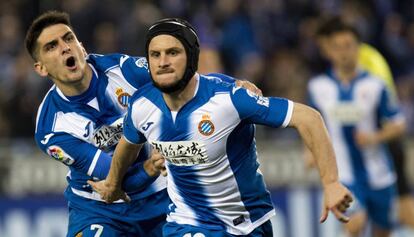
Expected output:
(154, 54)
(50, 47)
(69, 38)
(173, 52)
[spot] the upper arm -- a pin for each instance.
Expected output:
(388, 104)
(75, 153)
(270, 111)
(135, 70)
(304, 115)
(131, 132)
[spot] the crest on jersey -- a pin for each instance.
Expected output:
(60, 155)
(205, 126)
(123, 97)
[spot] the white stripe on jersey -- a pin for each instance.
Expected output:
(289, 114)
(93, 164)
(72, 123)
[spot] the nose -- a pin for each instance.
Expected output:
(164, 60)
(65, 47)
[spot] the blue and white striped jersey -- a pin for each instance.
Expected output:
(82, 131)
(214, 179)
(359, 106)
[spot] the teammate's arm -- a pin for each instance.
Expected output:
(89, 160)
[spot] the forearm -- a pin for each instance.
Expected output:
(389, 131)
(125, 154)
(311, 128)
(137, 178)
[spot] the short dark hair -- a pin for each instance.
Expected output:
(333, 25)
(46, 19)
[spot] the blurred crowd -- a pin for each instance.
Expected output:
(269, 42)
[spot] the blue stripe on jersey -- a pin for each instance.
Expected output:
(356, 154)
(388, 106)
(346, 94)
(243, 161)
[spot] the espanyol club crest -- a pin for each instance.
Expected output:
(205, 126)
(123, 97)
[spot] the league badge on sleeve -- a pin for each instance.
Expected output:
(205, 126)
(60, 155)
(142, 62)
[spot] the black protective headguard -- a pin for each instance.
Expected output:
(185, 33)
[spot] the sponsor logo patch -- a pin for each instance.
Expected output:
(59, 154)
(107, 136)
(182, 153)
(205, 126)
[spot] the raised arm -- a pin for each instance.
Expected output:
(311, 128)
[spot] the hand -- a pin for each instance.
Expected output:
(337, 199)
(364, 139)
(109, 193)
(249, 86)
(155, 164)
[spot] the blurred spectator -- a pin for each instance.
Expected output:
(105, 38)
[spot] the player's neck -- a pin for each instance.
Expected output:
(346, 75)
(78, 87)
(178, 99)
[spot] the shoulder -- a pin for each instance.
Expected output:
(220, 77)
(215, 82)
(372, 81)
(106, 62)
(148, 91)
(320, 80)
(45, 114)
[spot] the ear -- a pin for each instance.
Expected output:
(40, 69)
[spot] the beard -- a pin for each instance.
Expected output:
(172, 88)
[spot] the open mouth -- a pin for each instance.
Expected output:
(70, 62)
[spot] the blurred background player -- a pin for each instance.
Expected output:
(371, 60)
(354, 103)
